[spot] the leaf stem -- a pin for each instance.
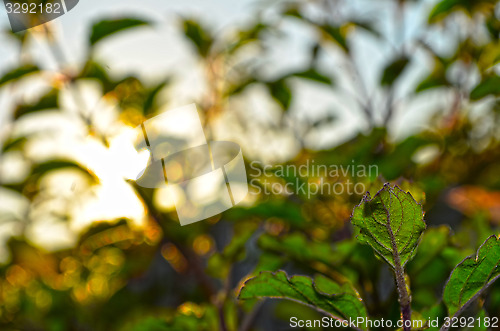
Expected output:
(404, 297)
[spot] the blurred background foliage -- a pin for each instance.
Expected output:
(131, 266)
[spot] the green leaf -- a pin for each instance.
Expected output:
(286, 210)
(394, 70)
(493, 26)
(489, 86)
(339, 301)
(220, 263)
(367, 26)
(434, 241)
(106, 28)
(53, 165)
(199, 36)
(297, 247)
(442, 8)
(391, 223)
(48, 101)
(446, 7)
(204, 320)
(434, 80)
(96, 71)
(293, 11)
(337, 35)
(149, 323)
(18, 73)
(314, 75)
(248, 36)
(152, 93)
(281, 92)
(435, 312)
(472, 277)
(14, 144)
(240, 87)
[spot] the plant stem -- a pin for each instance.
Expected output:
(404, 297)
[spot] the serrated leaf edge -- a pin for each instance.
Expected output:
(290, 279)
(482, 290)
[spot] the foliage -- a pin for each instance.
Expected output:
(326, 253)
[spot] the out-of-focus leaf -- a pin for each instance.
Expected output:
(489, 86)
(293, 11)
(391, 223)
(454, 256)
(434, 80)
(239, 87)
(446, 7)
(297, 247)
(437, 311)
(89, 240)
(198, 317)
(149, 323)
(493, 26)
(97, 71)
(46, 102)
(219, 264)
(434, 240)
(336, 34)
(151, 96)
(361, 149)
(339, 301)
(490, 56)
(281, 92)
(433, 274)
(106, 28)
(359, 260)
(442, 8)
(472, 277)
(269, 262)
(199, 36)
(399, 161)
(314, 75)
(286, 309)
(288, 211)
(14, 144)
(247, 36)
(192, 318)
(53, 165)
(394, 70)
(325, 121)
(415, 190)
(367, 26)
(18, 73)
